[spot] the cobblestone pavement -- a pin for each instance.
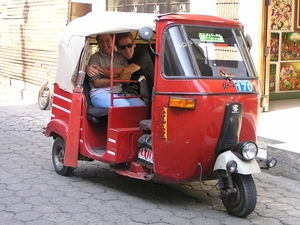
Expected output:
(32, 193)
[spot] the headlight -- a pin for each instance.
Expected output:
(271, 162)
(231, 166)
(246, 150)
(249, 150)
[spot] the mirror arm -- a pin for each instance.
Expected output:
(155, 53)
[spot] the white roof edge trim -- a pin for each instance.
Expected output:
(85, 26)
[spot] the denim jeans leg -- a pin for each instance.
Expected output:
(102, 100)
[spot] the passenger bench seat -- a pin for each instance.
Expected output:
(93, 113)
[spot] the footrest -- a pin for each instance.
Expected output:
(145, 125)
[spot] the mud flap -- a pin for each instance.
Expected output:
(243, 167)
(72, 142)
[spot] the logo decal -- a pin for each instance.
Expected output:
(162, 122)
(235, 108)
(227, 85)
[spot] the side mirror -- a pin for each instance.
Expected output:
(146, 33)
(249, 41)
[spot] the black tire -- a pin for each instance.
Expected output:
(243, 202)
(58, 153)
(44, 98)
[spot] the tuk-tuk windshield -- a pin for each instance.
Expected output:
(197, 51)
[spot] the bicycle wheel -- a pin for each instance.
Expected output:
(44, 97)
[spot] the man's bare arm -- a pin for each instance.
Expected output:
(105, 82)
(130, 69)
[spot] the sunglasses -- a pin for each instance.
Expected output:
(122, 47)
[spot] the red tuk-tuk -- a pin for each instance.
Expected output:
(201, 125)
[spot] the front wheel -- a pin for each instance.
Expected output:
(44, 97)
(243, 201)
(58, 154)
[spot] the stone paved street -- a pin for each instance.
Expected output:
(32, 193)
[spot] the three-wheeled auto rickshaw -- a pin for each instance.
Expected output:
(198, 124)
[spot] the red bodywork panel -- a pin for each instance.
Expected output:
(183, 137)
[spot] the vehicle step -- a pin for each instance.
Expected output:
(99, 151)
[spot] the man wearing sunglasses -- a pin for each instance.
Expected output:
(139, 60)
(98, 71)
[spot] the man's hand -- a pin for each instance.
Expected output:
(107, 73)
(94, 71)
(124, 76)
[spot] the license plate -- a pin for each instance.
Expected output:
(243, 86)
(145, 155)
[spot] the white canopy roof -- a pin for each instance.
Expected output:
(72, 38)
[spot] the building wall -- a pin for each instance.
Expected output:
(97, 5)
(29, 38)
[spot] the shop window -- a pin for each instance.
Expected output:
(149, 6)
(285, 47)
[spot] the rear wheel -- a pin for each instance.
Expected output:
(58, 154)
(243, 202)
(44, 97)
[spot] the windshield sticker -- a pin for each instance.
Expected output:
(208, 37)
(220, 45)
(243, 86)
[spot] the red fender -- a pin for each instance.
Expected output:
(57, 126)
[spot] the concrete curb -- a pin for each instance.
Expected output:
(288, 164)
(15, 92)
(287, 157)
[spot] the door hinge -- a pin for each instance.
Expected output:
(267, 51)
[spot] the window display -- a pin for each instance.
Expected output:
(284, 48)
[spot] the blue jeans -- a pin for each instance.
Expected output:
(102, 100)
